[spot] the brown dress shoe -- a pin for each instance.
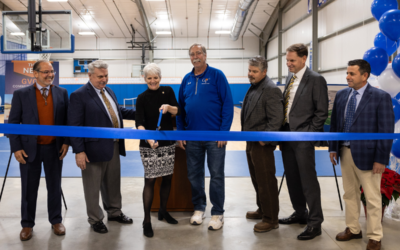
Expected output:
(262, 227)
(374, 245)
(26, 233)
(255, 215)
(348, 235)
(59, 229)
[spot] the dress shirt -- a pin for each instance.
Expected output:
(296, 83)
(250, 95)
(111, 100)
(40, 88)
(358, 99)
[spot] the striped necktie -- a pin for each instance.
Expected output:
(45, 95)
(114, 117)
(287, 97)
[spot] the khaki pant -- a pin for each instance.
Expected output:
(353, 178)
(104, 178)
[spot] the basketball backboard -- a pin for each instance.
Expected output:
(56, 34)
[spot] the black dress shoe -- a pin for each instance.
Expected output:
(148, 230)
(122, 218)
(100, 228)
(167, 217)
(309, 233)
(295, 218)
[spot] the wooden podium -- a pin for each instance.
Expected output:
(180, 198)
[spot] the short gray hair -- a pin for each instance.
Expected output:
(260, 62)
(152, 69)
(36, 65)
(99, 64)
(203, 48)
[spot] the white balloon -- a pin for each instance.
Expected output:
(397, 127)
(389, 81)
(373, 81)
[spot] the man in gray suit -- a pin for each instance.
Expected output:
(262, 111)
(305, 108)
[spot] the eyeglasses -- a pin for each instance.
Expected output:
(197, 53)
(47, 72)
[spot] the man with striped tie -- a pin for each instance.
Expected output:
(305, 110)
(96, 105)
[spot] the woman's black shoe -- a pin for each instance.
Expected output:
(147, 230)
(167, 217)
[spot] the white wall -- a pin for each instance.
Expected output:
(336, 51)
(121, 61)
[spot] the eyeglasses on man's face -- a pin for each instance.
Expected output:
(198, 53)
(47, 72)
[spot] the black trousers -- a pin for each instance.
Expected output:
(30, 179)
(261, 162)
(301, 178)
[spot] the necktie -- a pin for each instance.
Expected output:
(114, 117)
(44, 94)
(287, 97)
(351, 109)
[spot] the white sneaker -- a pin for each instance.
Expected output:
(197, 217)
(217, 221)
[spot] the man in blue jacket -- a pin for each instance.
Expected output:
(206, 104)
(362, 108)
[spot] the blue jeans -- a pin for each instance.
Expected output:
(195, 157)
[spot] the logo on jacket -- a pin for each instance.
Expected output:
(189, 83)
(205, 81)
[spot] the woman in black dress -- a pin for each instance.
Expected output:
(158, 157)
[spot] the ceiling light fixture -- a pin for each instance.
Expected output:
(87, 16)
(17, 33)
(163, 32)
(86, 33)
(222, 32)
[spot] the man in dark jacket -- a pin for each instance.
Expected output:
(262, 111)
(45, 104)
(305, 108)
(95, 105)
(362, 108)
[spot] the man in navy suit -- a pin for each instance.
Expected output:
(45, 104)
(362, 108)
(95, 105)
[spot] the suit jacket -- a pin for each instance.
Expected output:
(24, 111)
(86, 109)
(265, 111)
(310, 105)
(374, 114)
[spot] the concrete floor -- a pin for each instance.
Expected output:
(237, 232)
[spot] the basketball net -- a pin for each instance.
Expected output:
(45, 56)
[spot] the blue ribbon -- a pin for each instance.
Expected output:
(115, 133)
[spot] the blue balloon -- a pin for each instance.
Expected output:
(381, 41)
(378, 7)
(396, 65)
(396, 110)
(396, 148)
(378, 59)
(389, 24)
